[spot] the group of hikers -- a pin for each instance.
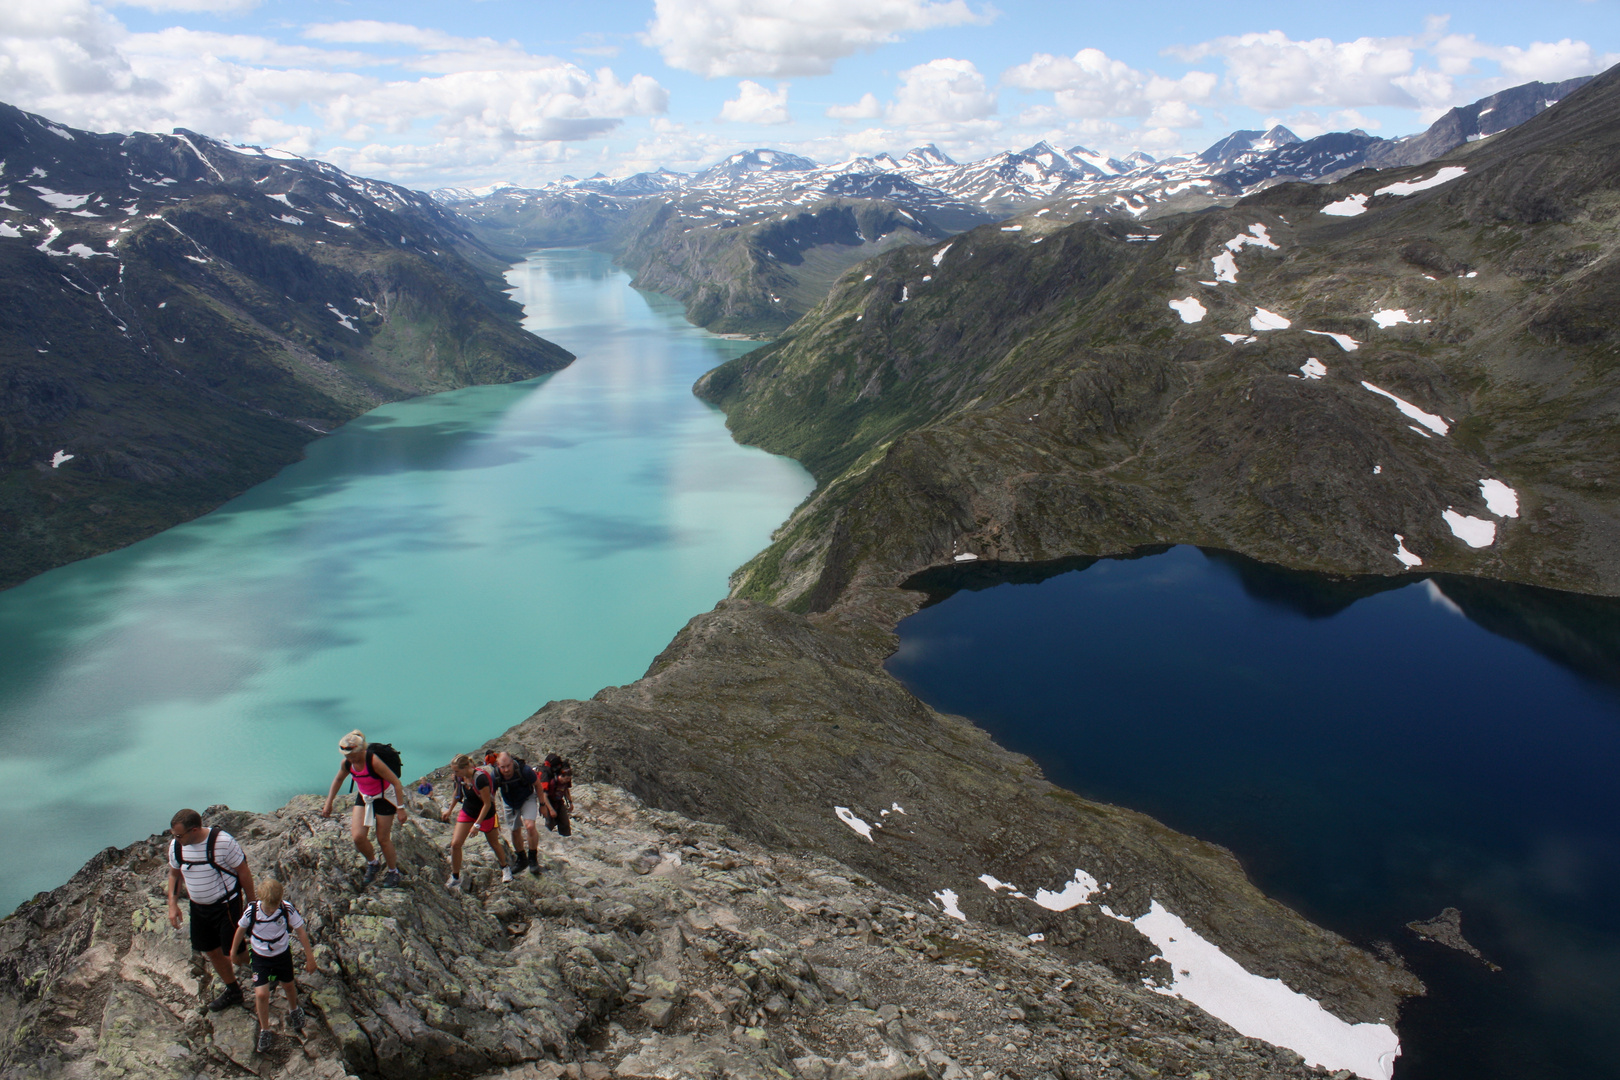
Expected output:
(230, 913)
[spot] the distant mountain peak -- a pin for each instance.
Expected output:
(929, 155)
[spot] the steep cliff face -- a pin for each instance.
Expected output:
(183, 317)
(1325, 377)
(652, 946)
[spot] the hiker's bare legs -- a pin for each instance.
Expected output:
(222, 964)
(358, 830)
(457, 839)
(261, 1005)
(292, 995)
(385, 839)
(495, 845)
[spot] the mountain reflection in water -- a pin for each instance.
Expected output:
(1372, 749)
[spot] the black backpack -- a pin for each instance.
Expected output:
(385, 753)
(518, 767)
(178, 855)
(282, 913)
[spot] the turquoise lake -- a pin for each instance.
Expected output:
(431, 573)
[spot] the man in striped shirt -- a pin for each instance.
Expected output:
(215, 871)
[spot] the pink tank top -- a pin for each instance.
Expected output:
(367, 782)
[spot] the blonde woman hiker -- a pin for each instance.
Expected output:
(373, 768)
(268, 926)
(474, 805)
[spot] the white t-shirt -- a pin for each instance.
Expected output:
(205, 884)
(270, 935)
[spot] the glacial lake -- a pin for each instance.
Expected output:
(431, 573)
(1373, 751)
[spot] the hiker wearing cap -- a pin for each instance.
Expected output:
(475, 809)
(269, 925)
(363, 763)
(215, 871)
(518, 783)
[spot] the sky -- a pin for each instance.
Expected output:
(473, 92)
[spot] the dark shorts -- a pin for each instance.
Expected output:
(559, 823)
(213, 926)
(381, 807)
(277, 968)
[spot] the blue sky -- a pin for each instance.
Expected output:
(528, 90)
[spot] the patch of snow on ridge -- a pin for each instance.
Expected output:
(848, 818)
(1402, 554)
(1428, 420)
(59, 457)
(1073, 894)
(1389, 317)
(1225, 267)
(1190, 309)
(939, 256)
(993, 883)
(1313, 368)
(966, 556)
(283, 200)
(1012, 228)
(1500, 499)
(58, 200)
(1238, 339)
(1344, 341)
(1225, 263)
(1473, 531)
(7, 229)
(1264, 1008)
(1410, 187)
(1268, 320)
(1349, 206)
(947, 900)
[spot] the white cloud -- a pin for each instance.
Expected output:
(717, 38)
(1090, 84)
(226, 7)
(865, 109)
(72, 61)
(943, 91)
(756, 105)
(1271, 71)
(1540, 61)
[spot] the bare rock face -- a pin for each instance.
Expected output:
(651, 946)
(1446, 929)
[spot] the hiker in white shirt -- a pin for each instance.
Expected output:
(269, 926)
(215, 871)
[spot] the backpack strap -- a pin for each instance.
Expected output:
(235, 885)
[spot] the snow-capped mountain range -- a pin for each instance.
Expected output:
(753, 184)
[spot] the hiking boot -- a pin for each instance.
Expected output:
(534, 863)
(231, 996)
(391, 879)
(265, 1038)
(454, 882)
(520, 859)
(372, 869)
(295, 1020)
(506, 874)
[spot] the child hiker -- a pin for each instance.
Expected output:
(269, 926)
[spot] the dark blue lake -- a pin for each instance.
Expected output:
(1373, 750)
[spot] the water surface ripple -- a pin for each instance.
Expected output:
(432, 573)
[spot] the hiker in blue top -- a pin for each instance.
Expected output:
(519, 785)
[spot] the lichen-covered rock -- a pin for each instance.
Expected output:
(735, 961)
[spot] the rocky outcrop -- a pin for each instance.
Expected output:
(652, 946)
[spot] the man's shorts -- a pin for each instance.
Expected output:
(487, 825)
(529, 811)
(213, 926)
(277, 968)
(379, 806)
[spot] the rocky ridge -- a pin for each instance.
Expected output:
(1346, 378)
(652, 946)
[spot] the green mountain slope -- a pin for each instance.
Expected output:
(182, 318)
(1037, 396)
